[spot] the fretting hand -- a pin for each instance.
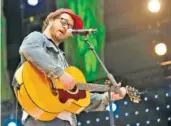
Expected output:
(116, 96)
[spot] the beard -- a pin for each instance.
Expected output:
(55, 36)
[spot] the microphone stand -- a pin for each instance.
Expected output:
(110, 77)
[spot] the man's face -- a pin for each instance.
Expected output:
(59, 26)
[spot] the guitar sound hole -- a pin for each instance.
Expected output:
(74, 89)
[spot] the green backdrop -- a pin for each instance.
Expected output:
(6, 93)
(77, 52)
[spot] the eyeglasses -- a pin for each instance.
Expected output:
(64, 22)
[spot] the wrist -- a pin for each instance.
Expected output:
(60, 75)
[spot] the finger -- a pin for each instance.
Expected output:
(127, 88)
(72, 86)
(116, 97)
(115, 94)
(107, 82)
(119, 84)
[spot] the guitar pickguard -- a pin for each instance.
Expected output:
(64, 95)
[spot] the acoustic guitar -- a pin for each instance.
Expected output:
(44, 99)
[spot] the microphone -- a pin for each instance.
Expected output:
(73, 32)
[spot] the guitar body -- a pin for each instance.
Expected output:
(36, 97)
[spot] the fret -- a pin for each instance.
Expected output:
(94, 87)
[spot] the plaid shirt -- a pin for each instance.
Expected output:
(49, 59)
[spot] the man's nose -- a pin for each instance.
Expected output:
(65, 27)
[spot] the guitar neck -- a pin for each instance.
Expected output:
(95, 87)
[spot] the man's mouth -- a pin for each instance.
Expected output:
(62, 32)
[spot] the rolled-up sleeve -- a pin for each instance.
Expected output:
(33, 51)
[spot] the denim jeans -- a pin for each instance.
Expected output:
(56, 122)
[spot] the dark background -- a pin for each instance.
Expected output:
(131, 32)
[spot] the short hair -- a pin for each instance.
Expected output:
(52, 15)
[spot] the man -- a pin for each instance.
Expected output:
(42, 50)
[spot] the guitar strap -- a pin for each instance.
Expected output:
(14, 81)
(16, 87)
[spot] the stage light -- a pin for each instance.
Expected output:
(168, 106)
(126, 114)
(88, 122)
(79, 123)
(145, 99)
(136, 113)
(116, 116)
(154, 6)
(137, 124)
(97, 119)
(12, 124)
(146, 110)
(125, 102)
(158, 120)
(107, 118)
(160, 49)
(33, 2)
(147, 122)
(157, 108)
(156, 96)
(114, 107)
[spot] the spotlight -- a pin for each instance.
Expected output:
(32, 2)
(145, 99)
(12, 122)
(147, 122)
(107, 118)
(114, 107)
(97, 119)
(126, 114)
(160, 49)
(125, 103)
(146, 110)
(157, 108)
(154, 6)
(79, 123)
(158, 120)
(136, 113)
(168, 106)
(116, 116)
(88, 122)
(137, 124)
(156, 96)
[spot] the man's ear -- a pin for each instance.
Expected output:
(51, 21)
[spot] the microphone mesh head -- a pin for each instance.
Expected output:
(69, 32)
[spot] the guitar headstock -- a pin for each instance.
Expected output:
(134, 94)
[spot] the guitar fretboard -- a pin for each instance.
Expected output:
(132, 93)
(94, 87)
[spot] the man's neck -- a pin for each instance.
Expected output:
(48, 35)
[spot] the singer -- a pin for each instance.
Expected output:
(42, 50)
